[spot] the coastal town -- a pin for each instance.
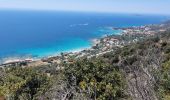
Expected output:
(100, 46)
(84, 50)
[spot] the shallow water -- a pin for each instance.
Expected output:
(42, 33)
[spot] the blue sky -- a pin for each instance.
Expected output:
(121, 6)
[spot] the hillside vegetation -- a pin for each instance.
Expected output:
(138, 71)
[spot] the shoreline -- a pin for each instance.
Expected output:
(10, 60)
(103, 44)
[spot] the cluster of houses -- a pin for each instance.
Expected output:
(146, 30)
(101, 46)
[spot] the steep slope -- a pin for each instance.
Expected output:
(138, 71)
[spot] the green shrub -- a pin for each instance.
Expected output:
(164, 81)
(104, 81)
(21, 82)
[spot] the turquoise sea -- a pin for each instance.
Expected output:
(44, 33)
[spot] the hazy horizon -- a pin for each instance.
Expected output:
(109, 6)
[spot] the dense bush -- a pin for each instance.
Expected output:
(101, 78)
(163, 81)
(97, 79)
(20, 83)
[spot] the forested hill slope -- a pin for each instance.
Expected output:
(138, 71)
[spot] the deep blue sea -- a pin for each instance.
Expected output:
(44, 33)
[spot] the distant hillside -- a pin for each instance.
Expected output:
(138, 71)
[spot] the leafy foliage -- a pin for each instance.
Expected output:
(97, 78)
(102, 78)
(23, 82)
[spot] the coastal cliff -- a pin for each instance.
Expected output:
(135, 65)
